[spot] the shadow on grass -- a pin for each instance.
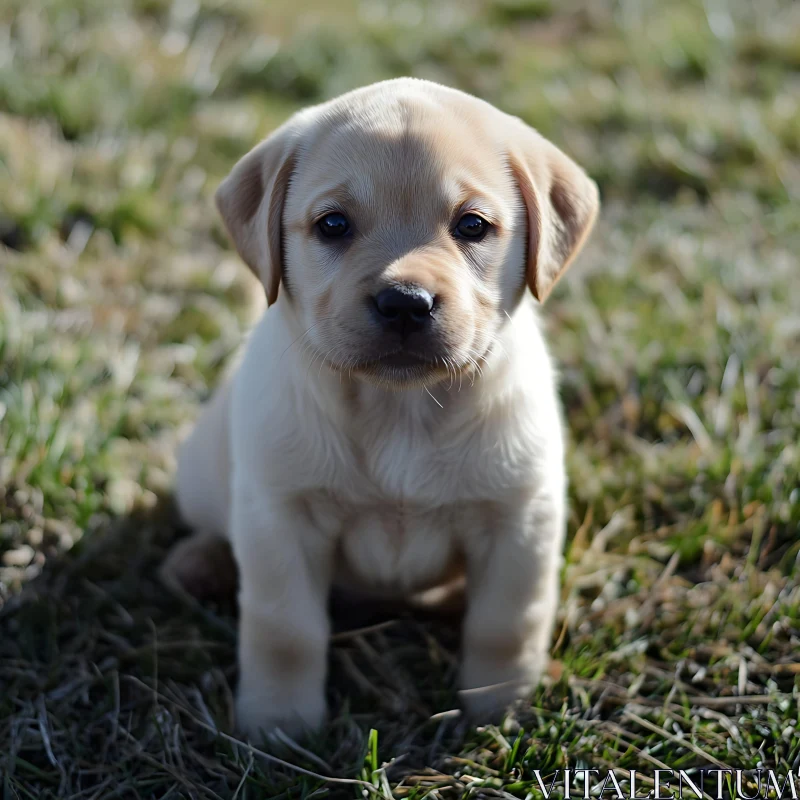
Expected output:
(113, 685)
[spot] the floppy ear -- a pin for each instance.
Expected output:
(250, 201)
(561, 202)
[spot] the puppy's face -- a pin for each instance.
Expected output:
(398, 238)
(400, 220)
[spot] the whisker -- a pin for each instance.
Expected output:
(432, 397)
(301, 336)
(502, 347)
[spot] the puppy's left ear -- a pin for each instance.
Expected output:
(250, 201)
(561, 202)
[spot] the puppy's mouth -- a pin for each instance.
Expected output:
(402, 367)
(405, 359)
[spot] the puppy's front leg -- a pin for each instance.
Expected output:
(512, 596)
(285, 574)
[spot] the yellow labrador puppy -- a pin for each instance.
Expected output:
(394, 415)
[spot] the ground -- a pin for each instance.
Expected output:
(677, 334)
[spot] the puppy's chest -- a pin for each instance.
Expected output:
(406, 460)
(401, 517)
(398, 465)
(398, 548)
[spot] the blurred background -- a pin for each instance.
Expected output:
(677, 331)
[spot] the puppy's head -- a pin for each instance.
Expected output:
(403, 222)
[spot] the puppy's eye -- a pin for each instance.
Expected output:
(471, 226)
(333, 225)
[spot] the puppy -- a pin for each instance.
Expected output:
(394, 417)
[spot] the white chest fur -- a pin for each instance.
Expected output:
(399, 479)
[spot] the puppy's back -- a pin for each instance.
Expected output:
(203, 480)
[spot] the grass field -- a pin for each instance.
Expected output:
(678, 335)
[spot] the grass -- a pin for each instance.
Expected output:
(677, 334)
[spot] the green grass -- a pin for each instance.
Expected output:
(677, 334)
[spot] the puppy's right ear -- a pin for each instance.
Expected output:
(561, 202)
(250, 201)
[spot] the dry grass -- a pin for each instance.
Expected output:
(677, 334)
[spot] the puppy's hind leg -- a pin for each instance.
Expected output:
(203, 566)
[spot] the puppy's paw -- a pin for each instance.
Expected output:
(202, 565)
(488, 704)
(257, 718)
(491, 690)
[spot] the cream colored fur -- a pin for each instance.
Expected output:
(321, 464)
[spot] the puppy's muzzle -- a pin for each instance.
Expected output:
(404, 308)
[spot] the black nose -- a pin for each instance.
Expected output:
(404, 308)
